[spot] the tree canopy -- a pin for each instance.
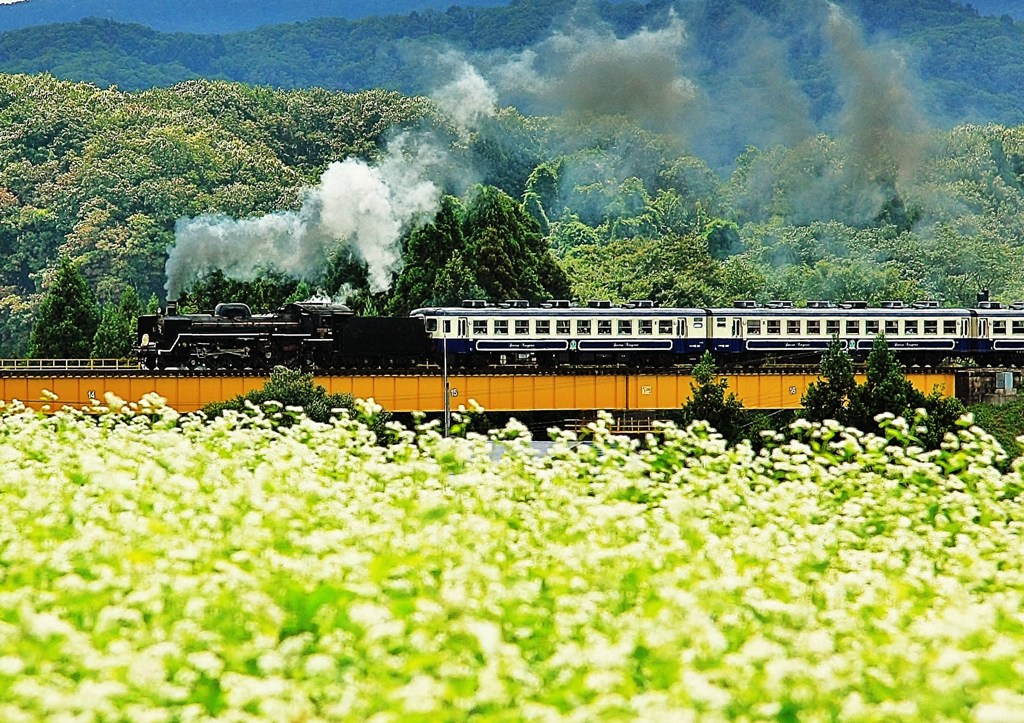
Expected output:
(68, 317)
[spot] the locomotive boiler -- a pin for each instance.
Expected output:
(301, 335)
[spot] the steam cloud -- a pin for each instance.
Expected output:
(364, 207)
(467, 98)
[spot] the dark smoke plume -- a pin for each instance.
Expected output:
(880, 118)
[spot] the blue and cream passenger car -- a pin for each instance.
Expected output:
(998, 332)
(558, 332)
(922, 332)
(638, 332)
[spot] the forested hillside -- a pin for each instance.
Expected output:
(393, 202)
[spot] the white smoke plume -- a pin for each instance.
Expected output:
(362, 206)
(467, 98)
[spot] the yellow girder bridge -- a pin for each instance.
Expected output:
(424, 391)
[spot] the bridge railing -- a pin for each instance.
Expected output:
(43, 364)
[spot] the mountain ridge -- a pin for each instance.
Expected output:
(209, 16)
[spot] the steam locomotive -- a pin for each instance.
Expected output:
(327, 336)
(302, 335)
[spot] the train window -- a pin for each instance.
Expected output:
(522, 326)
(892, 327)
(646, 327)
(583, 326)
(998, 326)
(447, 326)
(604, 327)
(501, 326)
(543, 326)
(753, 326)
(931, 326)
(910, 326)
(813, 326)
(774, 326)
(625, 326)
(832, 327)
(793, 326)
(853, 326)
(479, 327)
(949, 326)
(431, 325)
(871, 326)
(1018, 326)
(665, 326)
(721, 322)
(562, 326)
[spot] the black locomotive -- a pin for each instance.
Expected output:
(301, 335)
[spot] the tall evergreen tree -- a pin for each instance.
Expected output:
(455, 282)
(829, 397)
(505, 249)
(886, 389)
(130, 305)
(113, 338)
(709, 402)
(116, 333)
(67, 318)
(428, 250)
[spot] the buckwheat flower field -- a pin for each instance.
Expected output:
(158, 568)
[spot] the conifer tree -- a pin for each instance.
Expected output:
(709, 402)
(115, 335)
(113, 339)
(67, 317)
(886, 389)
(829, 397)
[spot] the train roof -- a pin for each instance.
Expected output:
(741, 312)
(549, 309)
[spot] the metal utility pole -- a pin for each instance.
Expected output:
(444, 376)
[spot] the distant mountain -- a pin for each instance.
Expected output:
(1013, 8)
(665, 58)
(210, 16)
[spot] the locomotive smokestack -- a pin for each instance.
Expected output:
(983, 295)
(172, 308)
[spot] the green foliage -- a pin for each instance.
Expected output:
(829, 396)
(288, 388)
(709, 402)
(885, 393)
(67, 318)
(886, 390)
(113, 338)
(264, 294)
(116, 332)
(489, 247)
(1005, 422)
